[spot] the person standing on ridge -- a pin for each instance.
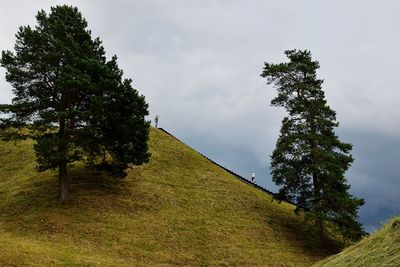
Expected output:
(253, 176)
(156, 120)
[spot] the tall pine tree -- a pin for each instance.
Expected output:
(70, 99)
(309, 160)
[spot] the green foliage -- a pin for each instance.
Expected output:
(70, 99)
(309, 160)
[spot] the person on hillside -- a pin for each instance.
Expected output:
(253, 176)
(156, 120)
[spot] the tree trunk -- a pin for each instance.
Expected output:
(62, 163)
(317, 199)
(316, 178)
(63, 182)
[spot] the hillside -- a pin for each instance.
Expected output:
(380, 249)
(179, 209)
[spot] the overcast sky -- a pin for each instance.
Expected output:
(199, 62)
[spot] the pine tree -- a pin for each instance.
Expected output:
(309, 160)
(70, 99)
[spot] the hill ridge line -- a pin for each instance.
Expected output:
(239, 177)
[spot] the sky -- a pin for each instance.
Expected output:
(198, 63)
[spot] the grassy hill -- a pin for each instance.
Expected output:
(179, 209)
(380, 249)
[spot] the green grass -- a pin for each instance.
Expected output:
(382, 249)
(178, 209)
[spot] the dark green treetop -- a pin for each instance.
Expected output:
(70, 99)
(309, 160)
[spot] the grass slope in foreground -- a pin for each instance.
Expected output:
(382, 249)
(179, 209)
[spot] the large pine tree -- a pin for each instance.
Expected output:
(309, 160)
(70, 99)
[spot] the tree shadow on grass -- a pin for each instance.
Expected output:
(95, 197)
(296, 230)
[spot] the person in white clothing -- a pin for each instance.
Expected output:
(156, 120)
(253, 176)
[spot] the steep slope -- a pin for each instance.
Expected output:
(179, 209)
(380, 249)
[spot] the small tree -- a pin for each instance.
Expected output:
(70, 99)
(309, 160)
